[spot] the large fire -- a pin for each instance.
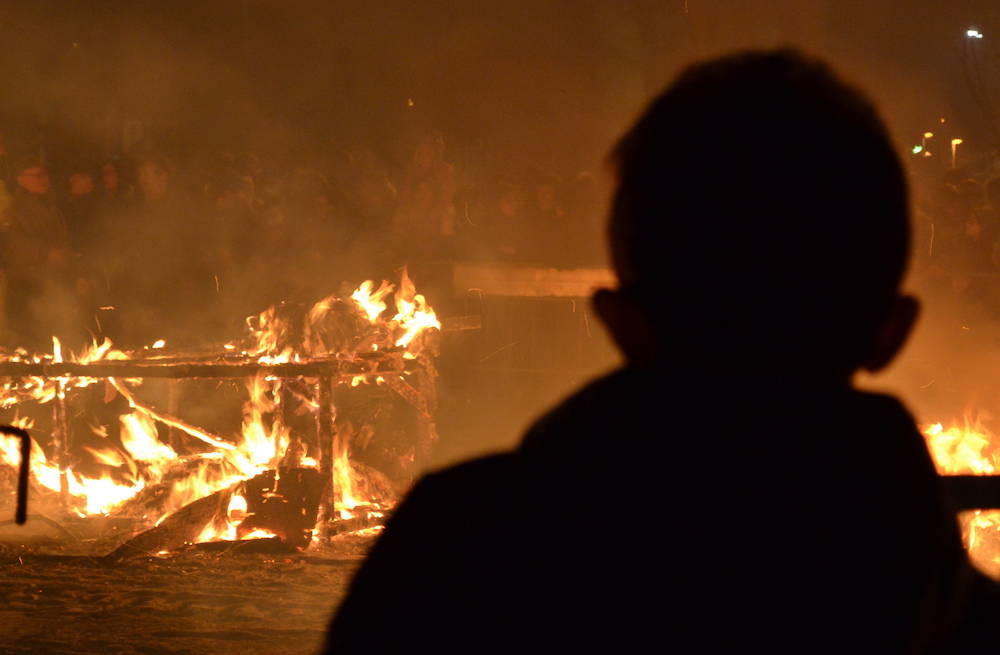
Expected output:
(265, 442)
(970, 449)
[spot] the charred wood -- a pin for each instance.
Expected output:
(325, 434)
(179, 528)
(286, 505)
(151, 500)
(381, 362)
(260, 546)
(354, 524)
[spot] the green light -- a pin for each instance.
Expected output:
(918, 149)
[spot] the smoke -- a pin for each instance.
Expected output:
(324, 105)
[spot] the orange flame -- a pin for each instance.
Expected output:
(263, 442)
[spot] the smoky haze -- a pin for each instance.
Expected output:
(551, 83)
(517, 96)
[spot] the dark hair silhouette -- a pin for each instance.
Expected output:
(761, 207)
(760, 235)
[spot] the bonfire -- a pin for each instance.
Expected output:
(311, 458)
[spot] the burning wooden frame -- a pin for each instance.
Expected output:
(280, 482)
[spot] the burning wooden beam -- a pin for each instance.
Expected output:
(314, 368)
(318, 358)
(179, 528)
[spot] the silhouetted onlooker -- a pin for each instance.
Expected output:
(81, 205)
(727, 490)
(425, 213)
(41, 301)
(116, 192)
(156, 249)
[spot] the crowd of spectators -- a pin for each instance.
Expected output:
(957, 242)
(146, 246)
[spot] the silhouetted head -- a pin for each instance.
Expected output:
(231, 192)
(32, 176)
(81, 183)
(111, 176)
(430, 149)
(152, 176)
(80, 179)
(760, 221)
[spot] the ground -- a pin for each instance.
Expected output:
(195, 602)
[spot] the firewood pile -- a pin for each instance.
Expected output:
(337, 416)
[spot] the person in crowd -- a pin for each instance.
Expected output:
(42, 300)
(368, 193)
(316, 229)
(726, 490)
(584, 209)
(81, 206)
(115, 190)
(502, 221)
(554, 235)
(234, 247)
(425, 213)
(155, 249)
(545, 201)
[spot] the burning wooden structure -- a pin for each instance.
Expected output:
(309, 462)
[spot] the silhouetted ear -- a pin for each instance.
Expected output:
(893, 334)
(628, 323)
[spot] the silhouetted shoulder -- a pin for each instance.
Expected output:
(440, 540)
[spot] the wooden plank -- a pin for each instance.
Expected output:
(973, 491)
(531, 281)
(145, 369)
(181, 527)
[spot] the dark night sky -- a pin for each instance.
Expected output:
(552, 81)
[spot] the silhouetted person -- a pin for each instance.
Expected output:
(726, 490)
(115, 192)
(42, 300)
(425, 211)
(155, 261)
(81, 206)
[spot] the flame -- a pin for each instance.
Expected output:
(263, 444)
(93, 495)
(103, 352)
(259, 533)
(961, 450)
(372, 303)
(343, 480)
(107, 456)
(228, 530)
(964, 450)
(413, 314)
(172, 422)
(270, 333)
(263, 441)
(140, 439)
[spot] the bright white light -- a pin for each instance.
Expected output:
(973, 34)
